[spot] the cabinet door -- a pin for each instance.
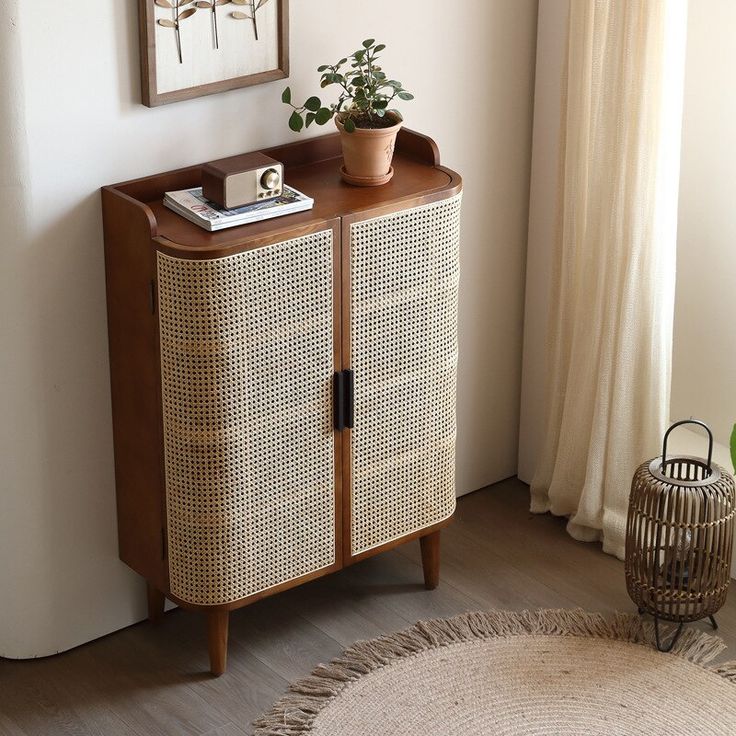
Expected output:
(246, 374)
(403, 289)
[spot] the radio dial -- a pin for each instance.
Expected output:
(270, 179)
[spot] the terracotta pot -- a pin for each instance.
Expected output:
(367, 154)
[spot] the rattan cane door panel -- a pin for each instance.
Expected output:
(404, 271)
(246, 369)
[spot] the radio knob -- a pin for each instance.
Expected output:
(270, 179)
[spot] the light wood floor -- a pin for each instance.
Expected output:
(146, 681)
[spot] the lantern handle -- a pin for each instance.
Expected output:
(689, 421)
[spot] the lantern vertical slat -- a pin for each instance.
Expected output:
(679, 534)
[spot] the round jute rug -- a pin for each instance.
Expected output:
(500, 673)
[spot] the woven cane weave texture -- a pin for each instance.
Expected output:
(570, 686)
(404, 291)
(679, 538)
(505, 673)
(246, 367)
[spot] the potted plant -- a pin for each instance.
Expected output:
(362, 113)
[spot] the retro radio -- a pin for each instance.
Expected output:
(241, 180)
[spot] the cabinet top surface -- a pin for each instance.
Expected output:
(417, 178)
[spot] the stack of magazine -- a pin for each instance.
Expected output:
(191, 204)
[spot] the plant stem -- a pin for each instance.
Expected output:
(369, 77)
(255, 21)
(176, 30)
(214, 23)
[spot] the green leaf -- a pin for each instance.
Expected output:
(313, 104)
(295, 122)
(380, 47)
(349, 125)
(381, 104)
(405, 96)
(310, 118)
(323, 115)
(322, 68)
(286, 96)
(733, 447)
(368, 42)
(358, 55)
(341, 62)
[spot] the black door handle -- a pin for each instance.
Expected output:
(349, 398)
(339, 408)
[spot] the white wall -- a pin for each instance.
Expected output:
(704, 359)
(704, 355)
(71, 121)
(551, 50)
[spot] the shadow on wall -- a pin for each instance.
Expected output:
(55, 459)
(71, 452)
(128, 54)
(58, 538)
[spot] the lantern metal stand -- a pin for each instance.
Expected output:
(679, 537)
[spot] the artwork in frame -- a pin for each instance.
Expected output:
(191, 48)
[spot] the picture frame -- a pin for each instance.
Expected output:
(191, 48)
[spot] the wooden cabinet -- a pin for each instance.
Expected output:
(283, 392)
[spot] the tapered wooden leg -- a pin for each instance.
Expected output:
(217, 625)
(156, 602)
(431, 559)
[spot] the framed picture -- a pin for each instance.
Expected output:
(191, 48)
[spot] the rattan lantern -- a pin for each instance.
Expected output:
(679, 537)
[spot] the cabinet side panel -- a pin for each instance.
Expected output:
(134, 379)
(403, 343)
(246, 375)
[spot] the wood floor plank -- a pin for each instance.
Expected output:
(579, 572)
(489, 578)
(334, 606)
(229, 729)
(181, 641)
(154, 681)
(39, 700)
(9, 727)
(281, 638)
(152, 695)
(399, 583)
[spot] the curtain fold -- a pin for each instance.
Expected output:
(612, 291)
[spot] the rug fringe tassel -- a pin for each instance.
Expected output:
(294, 713)
(727, 670)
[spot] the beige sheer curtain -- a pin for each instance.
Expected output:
(612, 291)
